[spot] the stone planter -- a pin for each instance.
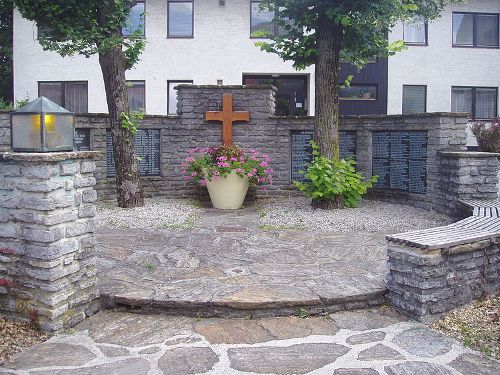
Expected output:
(228, 193)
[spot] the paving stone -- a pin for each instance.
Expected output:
(111, 351)
(115, 328)
(239, 331)
(187, 361)
(295, 359)
(423, 342)
(365, 338)
(417, 368)
(135, 366)
(355, 371)
(379, 352)
(475, 364)
(151, 350)
(52, 354)
(363, 320)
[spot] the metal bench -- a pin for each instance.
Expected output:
(482, 207)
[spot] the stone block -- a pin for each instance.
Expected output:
(54, 250)
(40, 171)
(10, 230)
(70, 168)
(78, 228)
(87, 211)
(82, 182)
(10, 170)
(87, 166)
(89, 196)
(42, 234)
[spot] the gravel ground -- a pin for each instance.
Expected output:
(476, 325)
(370, 216)
(157, 213)
(16, 337)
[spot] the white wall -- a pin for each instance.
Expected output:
(221, 49)
(439, 65)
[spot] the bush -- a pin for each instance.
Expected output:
(334, 180)
(5, 105)
(487, 135)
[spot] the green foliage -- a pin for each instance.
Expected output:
(6, 49)
(131, 120)
(83, 27)
(22, 102)
(6, 105)
(327, 179)
(365, 23)
(487, 135)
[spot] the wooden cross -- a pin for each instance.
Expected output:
(227, 116)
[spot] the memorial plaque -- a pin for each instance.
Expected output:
(400, 160)
(301, 153)
(82, 139)
(147, 146)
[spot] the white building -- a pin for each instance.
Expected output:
(452, 64)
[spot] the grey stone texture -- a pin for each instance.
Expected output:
(272, 135)
(428, 283)
(180, 347)
(47, 263)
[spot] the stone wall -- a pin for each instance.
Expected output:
(428, 283)
(47, 246)
(268, 134)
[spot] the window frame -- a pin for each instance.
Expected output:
(169, 36)
(276, 25)
(143, 36)
(425, 99)
(179, 82)
(424, 44)
(474, 31)
(63, 91)
(143, 82)
(362, 99)
(474, 88)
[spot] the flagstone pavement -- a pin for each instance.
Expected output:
(360, 342)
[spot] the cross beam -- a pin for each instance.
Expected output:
(227, 116)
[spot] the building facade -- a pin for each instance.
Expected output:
(451, 64)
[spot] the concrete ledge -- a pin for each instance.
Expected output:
(48, 156)
(469, 154)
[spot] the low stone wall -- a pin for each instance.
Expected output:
(428, 283)
(47, 246)
(466, 175)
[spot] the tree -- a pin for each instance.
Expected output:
(326, 32)
(6, 49)
(95, 27)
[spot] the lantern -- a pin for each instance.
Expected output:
(42, 126)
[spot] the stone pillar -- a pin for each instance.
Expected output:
(47, 245)
(465, 175)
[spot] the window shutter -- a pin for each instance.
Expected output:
(414, 99)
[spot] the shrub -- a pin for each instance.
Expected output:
(487, 135)
(5, 105)
(334, 180)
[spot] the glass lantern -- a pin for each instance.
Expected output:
(42, 126)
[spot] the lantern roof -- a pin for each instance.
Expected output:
(42, 105)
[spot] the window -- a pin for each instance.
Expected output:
(71, 95)
(359, 92)
(479, 102)
(180, 19)
(414, 99)
(136, 20)
(262, 23)
(415, 33)
(291, 98)
(136, 95)
(172, 96)
(475, 30)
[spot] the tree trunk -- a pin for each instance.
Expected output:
(326, 120)
(127, 177)
(327, 71)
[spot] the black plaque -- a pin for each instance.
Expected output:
(301, 153)
(400, 160)
(147, 146)
(82, 139)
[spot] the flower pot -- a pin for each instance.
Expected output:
(228, 193)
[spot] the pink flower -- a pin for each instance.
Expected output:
(215, 173)
(250, 174)
(222, 158)
(239, 170)
(203, 182)
(263, 164)
(261, 179)
(253, 151)
(234, 159)
(194, 174)
(190, 159)
(242, 159)
(254, 170)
